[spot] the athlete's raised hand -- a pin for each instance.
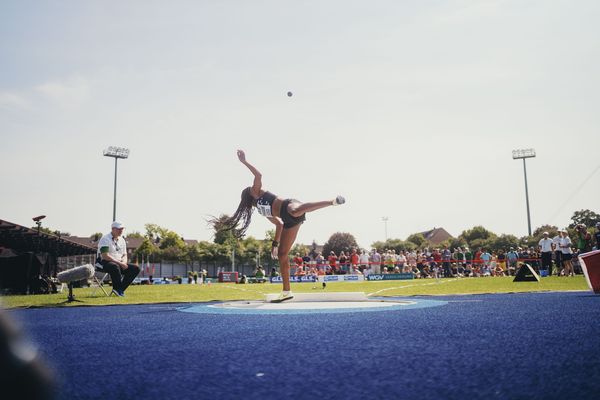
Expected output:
(241, 155)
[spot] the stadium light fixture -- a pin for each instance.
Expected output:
(524, 154)
(116, 153)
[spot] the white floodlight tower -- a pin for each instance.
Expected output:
(385, 220)
(116, 153)
(524, 154)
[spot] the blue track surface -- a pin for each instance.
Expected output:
(544, 346)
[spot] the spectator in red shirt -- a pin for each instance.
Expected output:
(354, 258)
(477, 258)
(332, 259)
(437, 257)
(298, 261)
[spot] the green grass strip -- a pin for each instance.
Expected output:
(185, 293)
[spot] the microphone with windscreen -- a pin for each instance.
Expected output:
(73, 275)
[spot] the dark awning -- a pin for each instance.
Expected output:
(23, 239)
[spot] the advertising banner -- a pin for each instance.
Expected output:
(228, 277)
(390, 277)
(341, 278)
(310, 278)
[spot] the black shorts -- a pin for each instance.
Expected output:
(288, 220)
(567, 256)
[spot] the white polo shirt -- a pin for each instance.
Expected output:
(546, 245)
(116, 248)
(565, 245)
(556, 241)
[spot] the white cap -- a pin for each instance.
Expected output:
(117, 225)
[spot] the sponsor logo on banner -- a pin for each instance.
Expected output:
(278, 279)
(390, 277)
(228, 276)
(341, 278)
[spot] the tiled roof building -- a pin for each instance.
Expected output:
(436, 235)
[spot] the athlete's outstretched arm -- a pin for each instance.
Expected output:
(257, 185)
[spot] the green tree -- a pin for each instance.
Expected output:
(172, 253)
(585, 217)
(192, 253)
(135, 234)
(502, 242)
(251, 249)
(537, 234)
(539, 231)
(456, 242)
(222, 235)
(339, 242)
(224, 253)
(146, 249)
(476, 237)
(395, 244)
(453, 243)
(418, 239)
(301, 249)
(96, 236)
(208, 251)
(379, 245)
(155, 232)
(270, 235)
(171, 239)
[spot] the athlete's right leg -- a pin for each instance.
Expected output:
(288, 237)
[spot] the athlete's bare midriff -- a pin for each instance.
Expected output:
(276, 208)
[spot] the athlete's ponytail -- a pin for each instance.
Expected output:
(243, 214)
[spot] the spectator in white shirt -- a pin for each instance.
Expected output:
(112, 255)
(363, 259)
(567, 253)
(557, 253)
(545, 247)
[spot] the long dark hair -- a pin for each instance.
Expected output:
(243, 214)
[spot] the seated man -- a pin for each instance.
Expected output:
(112, 255)
(260, 274)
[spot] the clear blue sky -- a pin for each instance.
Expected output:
(408, 108)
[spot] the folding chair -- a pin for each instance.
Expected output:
(99, 281)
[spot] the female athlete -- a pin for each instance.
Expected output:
(286, 214)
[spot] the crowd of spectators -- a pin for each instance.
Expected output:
(552, 256)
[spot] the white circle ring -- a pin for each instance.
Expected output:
(309, 307)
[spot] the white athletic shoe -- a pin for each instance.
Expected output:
(283, 296)
(339, 201)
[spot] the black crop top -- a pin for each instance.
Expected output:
(264, 204)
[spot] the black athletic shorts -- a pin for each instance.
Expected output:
(288, 220)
